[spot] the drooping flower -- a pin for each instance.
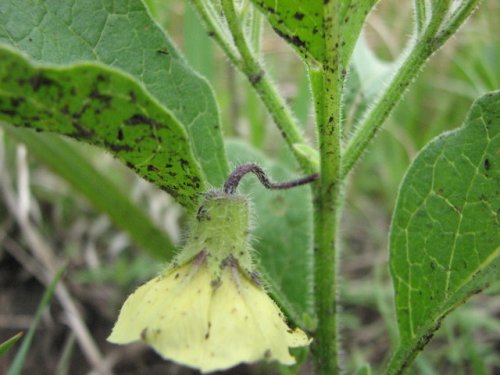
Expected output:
(207, 310)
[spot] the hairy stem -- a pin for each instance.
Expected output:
(327, 83)
(432, 38)
(248, 64)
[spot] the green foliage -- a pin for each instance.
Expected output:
(106, 108)
(301, 24)
(104, 72)
(122, 35)
(17, 365)
(9, 343)
(445, 238)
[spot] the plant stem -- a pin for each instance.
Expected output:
(425, 45)
(214, 29)
(259, 79)
(327, 83)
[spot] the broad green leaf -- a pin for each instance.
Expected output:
(9, 343)
(121, 34)
(445, 237)
(282, 229)
(106, 108)
(69, 163)
(17, 365)
(300, 23)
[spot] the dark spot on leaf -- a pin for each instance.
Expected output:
(16, 101)
(292, 39)
(81, 131)
(8, 112)
(39, 80)
(65, 109)
(132, 96)
(120, 135)
(152, 168)
(117, 148)
(139, 119)
(487, 164)
(298, 16)
(184, 163)
(95, 94)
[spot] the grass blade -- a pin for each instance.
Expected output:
(8, 344)
(17, 365)
(67, 162)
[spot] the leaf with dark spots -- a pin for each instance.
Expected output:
(105, 99)
(91, 109)
(139, 119)
(81, 131)
(301, 24)
(40, 80)
(120, 34)
(299, 16)
(15, 102)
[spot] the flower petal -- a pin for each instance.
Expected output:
(246, 326)
(170, 313)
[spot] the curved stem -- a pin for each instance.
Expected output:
(235, 177)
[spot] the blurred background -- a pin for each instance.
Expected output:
(46, 221)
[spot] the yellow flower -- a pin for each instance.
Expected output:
(207, 310)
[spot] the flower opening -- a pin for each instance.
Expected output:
(206, 310)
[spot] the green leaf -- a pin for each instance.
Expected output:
(17, 365)
(9, 343)
(282, 232)
(300, 23)
(121, 34)
(69, 163)
(445, 237)
(105, 108)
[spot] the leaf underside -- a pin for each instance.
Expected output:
(121, 34)
(445, 236)
(107, 109)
